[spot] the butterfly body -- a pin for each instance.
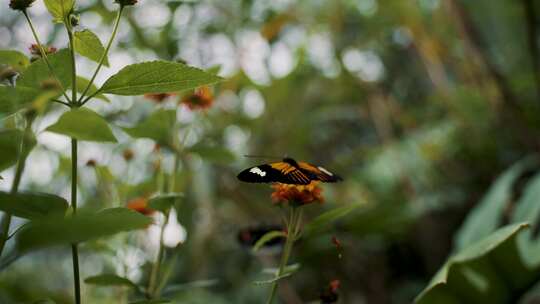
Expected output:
(288, 171)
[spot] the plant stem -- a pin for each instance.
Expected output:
(292, 229)
(102, 59)
(73, 65)
(74, 249)
(153, 291)
(44, 55)
(6, 220)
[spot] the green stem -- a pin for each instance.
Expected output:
(102, 59)
(44, 55)
(74, 249)
(6, 220)
(73, 65)
(292, 229)
(153, 291)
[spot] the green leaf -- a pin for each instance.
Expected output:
(13, 99)
(82, 83)
(83, 124)
(158, 126)
(157, 77)
(267, 237)
(475, 274)
(16, 60)
(38, 72)
(110, 280)
(322, 221)
(80, 228)
(164, 202)
(59, 9)
(485, 217)
(88, 45)
(10, 145)
(214, 154)
(32, 205)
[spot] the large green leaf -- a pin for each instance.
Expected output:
(108, 279)
(324, 220)
(16, 60)
(10, 145)
(38, 72)
(528, 210)
(486, 216)
(88, 45)
(32, 205)
(158, 126)
(488, 271)
(79, 228)
(59, 9)
(157, 77)
(83, 124)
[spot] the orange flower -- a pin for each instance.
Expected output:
(36, 52)
(140, 204)
(200, 99)
(297, 194)
(158, 97)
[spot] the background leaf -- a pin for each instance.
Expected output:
(157, 77)
(214, 154)
(88, 45)
(82, 227)
(83, 124)
(10, 145)
(110, 280)
(32, 205)
(158, 126)
(37, 72)
(81, 86)
(164, 202)
(322, 221)
(16, 60)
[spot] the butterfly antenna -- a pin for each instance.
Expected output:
(262, 156)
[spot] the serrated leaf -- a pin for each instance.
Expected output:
(88, 45)
(267, 237)
(322, 221)
(164, 202)
(214, 154)
(59, 9)
(156, 77)
(82, 83)
(158, 126)
(16, 60)
(32, 205)
(109, 279)
(38, 72)
(473, 275)
(83, 124)
(79, 228)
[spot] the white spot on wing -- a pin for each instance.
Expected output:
(325, 171)
(258, 171)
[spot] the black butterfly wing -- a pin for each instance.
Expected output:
(280, 172)
(319, 173)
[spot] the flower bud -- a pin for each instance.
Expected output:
(20, 5)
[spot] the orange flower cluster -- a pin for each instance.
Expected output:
(140, 204)
(200, 99)
(297, 194)
(330, 294)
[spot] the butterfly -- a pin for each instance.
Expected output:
(288, 171)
